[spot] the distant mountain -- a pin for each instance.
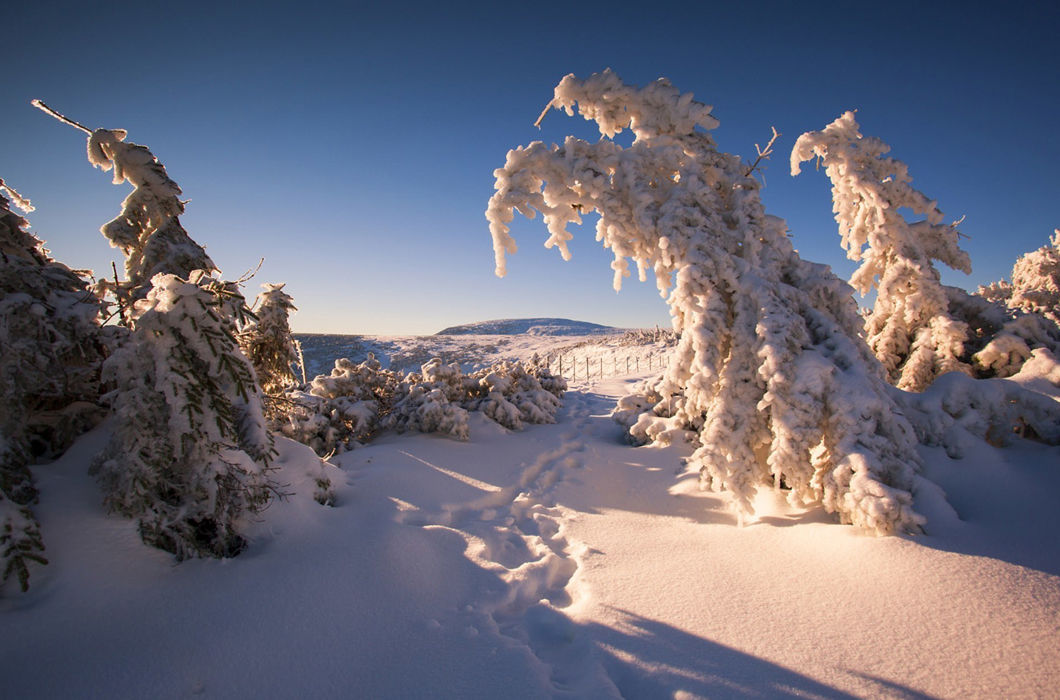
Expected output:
(530, 326)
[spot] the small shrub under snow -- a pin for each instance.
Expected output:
(357, 401)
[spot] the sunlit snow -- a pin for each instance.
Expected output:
(553, 562)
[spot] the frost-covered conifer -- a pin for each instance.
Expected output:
(190, 451)
(268, 343)
(49, 375)
(49, 340)
(148, 230)
(769, 375)
(1025, 314)
(1036, 281)
(909, 328)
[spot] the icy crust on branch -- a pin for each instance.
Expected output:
(769, 376)
(358, 401)
(148, 229)
(49, 376)
(268, 344)
(909, 329)
(190, 451)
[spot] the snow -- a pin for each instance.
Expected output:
(553, 562)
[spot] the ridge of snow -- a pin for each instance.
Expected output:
(529, 326)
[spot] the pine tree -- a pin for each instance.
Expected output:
(268, 343)
(148, 229)
(49, 375)
(190, 452)
(769, 376)
(909, 328)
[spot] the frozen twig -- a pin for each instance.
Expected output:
(249, 274)
(541, 117)
(763, 153)
(61, 117)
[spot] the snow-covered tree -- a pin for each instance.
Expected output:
(49, 374)
(148, 229)
(268, 343)
(909, 328)
(190, 452)
(1035, 284)
(49, 340)
(1024, 314)
(770, 376)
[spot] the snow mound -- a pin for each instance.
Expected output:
(529, 326)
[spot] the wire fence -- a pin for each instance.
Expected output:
(573, 367)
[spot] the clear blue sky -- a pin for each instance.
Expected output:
(354, 148)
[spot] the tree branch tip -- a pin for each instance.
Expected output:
(39, 104)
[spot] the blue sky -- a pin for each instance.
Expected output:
(353, 148)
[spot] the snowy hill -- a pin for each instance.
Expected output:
(529, 326)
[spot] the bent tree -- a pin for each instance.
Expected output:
(190, 453)
(770, 377)
(910, 328)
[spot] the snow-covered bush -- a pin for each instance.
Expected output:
(430, 401)
(909, 328)
(50, 353)
(511, 394)
(996, 410)
(770, 373)
(1026, 312)
(357, 401)
(1036, 281)
(268, 344)
(643, 336)
(439, 397)
(190, 451)
(337, 411)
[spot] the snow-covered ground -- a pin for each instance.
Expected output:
(473, 351)
(553, 562)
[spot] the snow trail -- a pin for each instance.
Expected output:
(519, 532)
